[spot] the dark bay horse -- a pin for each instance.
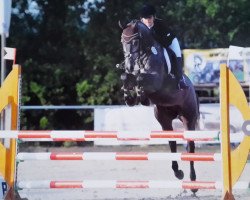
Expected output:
(148, 79)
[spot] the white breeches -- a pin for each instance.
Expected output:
(175, 47)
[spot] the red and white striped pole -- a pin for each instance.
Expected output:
(115, 135)
(114, 184)
(120, 156)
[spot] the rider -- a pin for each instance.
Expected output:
(165, 37)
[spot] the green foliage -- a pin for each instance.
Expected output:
(69, 49)
(38, 91)
(44, 122)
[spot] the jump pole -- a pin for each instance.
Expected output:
(128, 184)
(139, 156)
(82, 135)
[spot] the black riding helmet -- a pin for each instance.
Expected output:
(147, 10)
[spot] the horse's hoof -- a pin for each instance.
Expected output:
(193, 178)
(145, 102)
(130, 101)
(194, 191)
(179, 174)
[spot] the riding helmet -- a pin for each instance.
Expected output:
(147, 10)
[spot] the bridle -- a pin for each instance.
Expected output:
(142, 53)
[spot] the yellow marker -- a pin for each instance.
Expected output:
(9, 96)
(233, 161)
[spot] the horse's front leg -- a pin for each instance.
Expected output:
(177, 172)
(129, 84)
(190, 125)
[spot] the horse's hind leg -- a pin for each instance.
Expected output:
(165, 118)
(191, 149)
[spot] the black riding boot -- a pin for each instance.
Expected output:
(179, 75)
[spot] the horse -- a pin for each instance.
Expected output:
(148, 79)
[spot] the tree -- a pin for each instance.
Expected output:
(49, 42)
(69, 48)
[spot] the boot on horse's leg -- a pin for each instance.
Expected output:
(129, 83)
(143, 99)
(177, 172)
(179, 75)
(130, 97)
(128, 80)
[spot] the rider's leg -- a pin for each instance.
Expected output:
(175, 47)
(179, 74)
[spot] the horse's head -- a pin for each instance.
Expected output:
(143, 64)
(136, 41)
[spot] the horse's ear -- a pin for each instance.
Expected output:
(122, 25)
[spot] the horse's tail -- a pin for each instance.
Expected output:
(200, 119)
